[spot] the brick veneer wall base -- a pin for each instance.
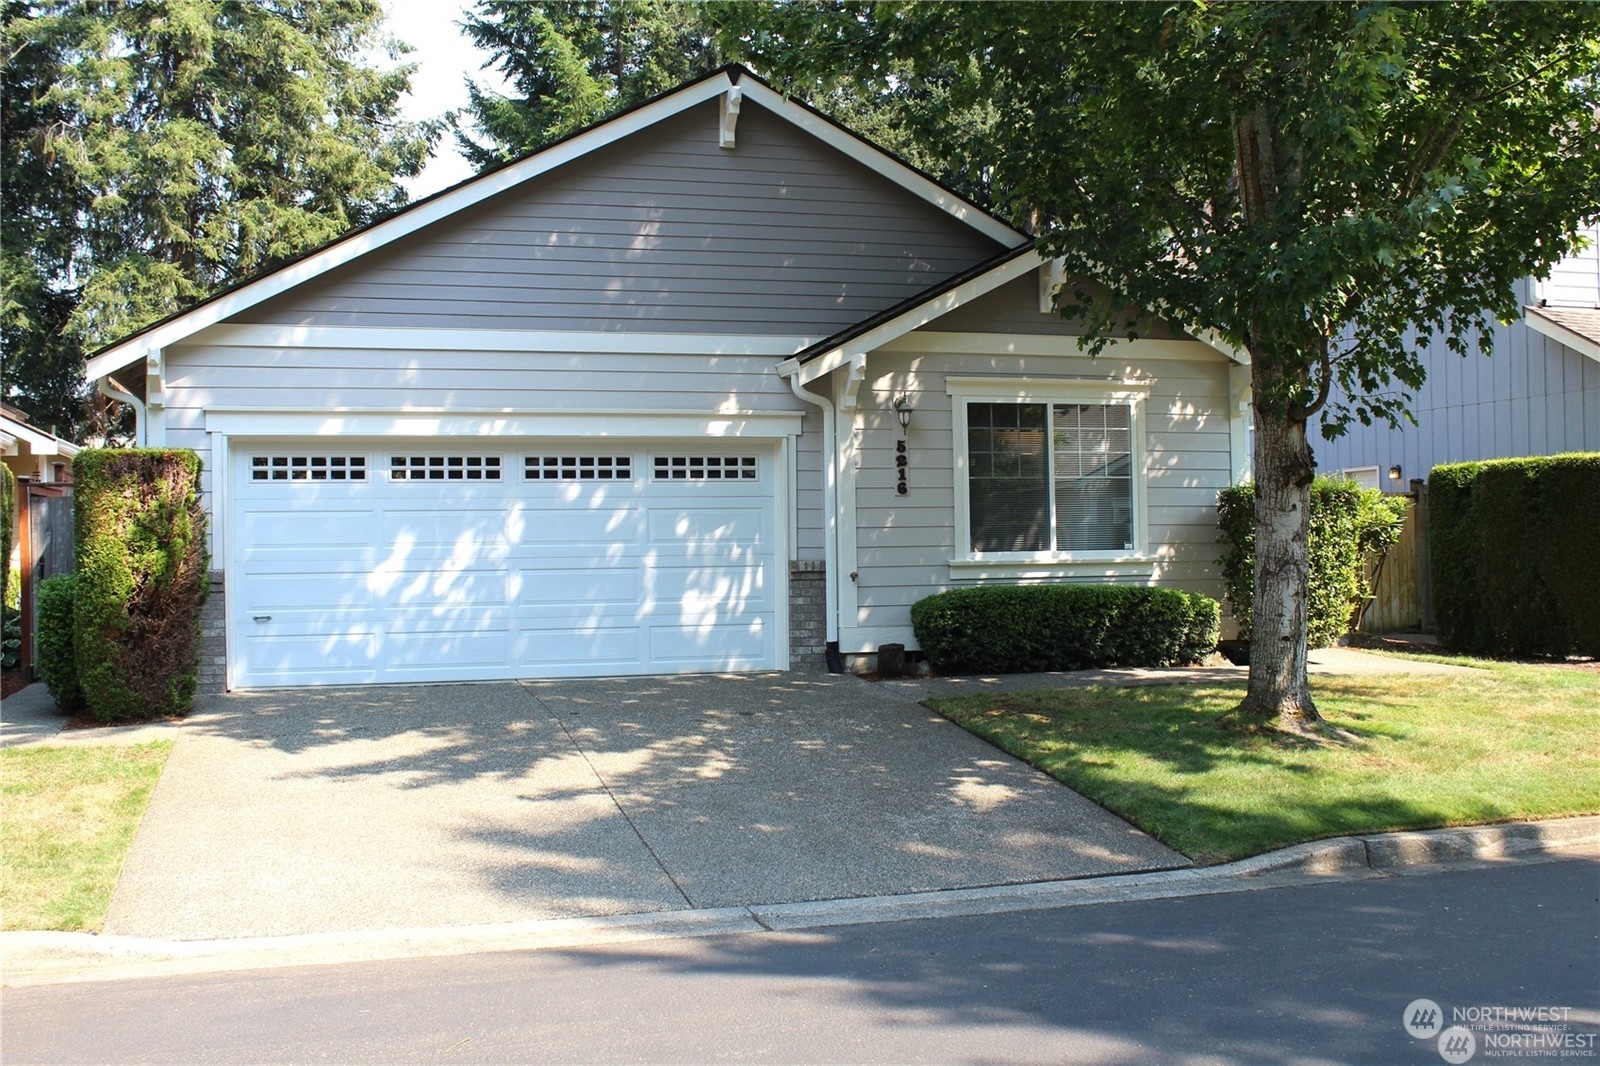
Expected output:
(808, 615)
(213, 640)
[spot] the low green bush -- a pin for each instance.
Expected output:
(1023, 628)
(140, 539)
(1348, 524)
(1514, 555)
(58, 665)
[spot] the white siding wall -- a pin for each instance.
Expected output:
(241, 377)
(905, 543)
(1575, 281)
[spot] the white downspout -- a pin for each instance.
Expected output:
(830, 529)
(141, 417)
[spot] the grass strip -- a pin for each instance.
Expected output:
(67, 818)
(1503, 742)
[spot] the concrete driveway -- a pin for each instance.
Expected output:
(384, 807)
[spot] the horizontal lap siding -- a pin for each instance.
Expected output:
(1575, 281)
(661, 232)
(199, 378)
(904, 543)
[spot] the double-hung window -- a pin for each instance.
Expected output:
(1048, 471)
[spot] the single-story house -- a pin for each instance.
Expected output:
(31, 452)
(713, 385)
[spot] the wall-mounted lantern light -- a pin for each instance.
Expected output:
(1394, 472)
(902, 411)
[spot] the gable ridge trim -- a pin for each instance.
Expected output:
(349, 246)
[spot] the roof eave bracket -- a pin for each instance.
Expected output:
(731, 101)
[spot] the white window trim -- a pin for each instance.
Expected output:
(1022, 390)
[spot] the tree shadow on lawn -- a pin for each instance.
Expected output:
(1175, 765)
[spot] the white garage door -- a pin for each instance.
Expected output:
(429, 561)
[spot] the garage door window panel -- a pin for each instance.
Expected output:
(578, 467)
(444, 468)
(308, 468)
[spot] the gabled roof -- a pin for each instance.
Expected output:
(15, 433)
(928, 305)
(1576, 327)
(918, 310)
(358, 242)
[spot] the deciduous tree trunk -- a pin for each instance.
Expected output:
(1284, 469)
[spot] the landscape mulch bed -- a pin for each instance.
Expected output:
(11, 683)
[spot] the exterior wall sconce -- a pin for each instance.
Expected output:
(1394, 472)
(902, 411)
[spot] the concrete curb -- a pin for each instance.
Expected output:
(36, 958)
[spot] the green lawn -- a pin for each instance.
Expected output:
(1504, 742)
(67, 817)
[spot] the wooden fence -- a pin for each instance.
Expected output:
(1401, 595)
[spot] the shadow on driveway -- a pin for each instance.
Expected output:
(381, 807)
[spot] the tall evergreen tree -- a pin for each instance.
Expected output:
(157, 150)
(573, 62)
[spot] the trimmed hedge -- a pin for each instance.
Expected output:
(1514, 553)
(140, 538)
(1022, 628)
(1348, 523)
(58, 666)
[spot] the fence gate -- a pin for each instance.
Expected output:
(44, 533)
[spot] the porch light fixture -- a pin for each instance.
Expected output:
(1394, 472)
(902, 411)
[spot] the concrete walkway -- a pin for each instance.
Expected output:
(393, 807)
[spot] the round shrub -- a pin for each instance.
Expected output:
(1024, 628)
(1348, 523)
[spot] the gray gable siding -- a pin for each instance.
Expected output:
(1013, 308)
(660, 232)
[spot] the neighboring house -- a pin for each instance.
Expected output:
(31, 452)
(1537, 394)
(41, 543)
(629, 406)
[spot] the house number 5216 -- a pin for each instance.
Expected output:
(900, 463)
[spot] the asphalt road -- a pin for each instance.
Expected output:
(1314, 974)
